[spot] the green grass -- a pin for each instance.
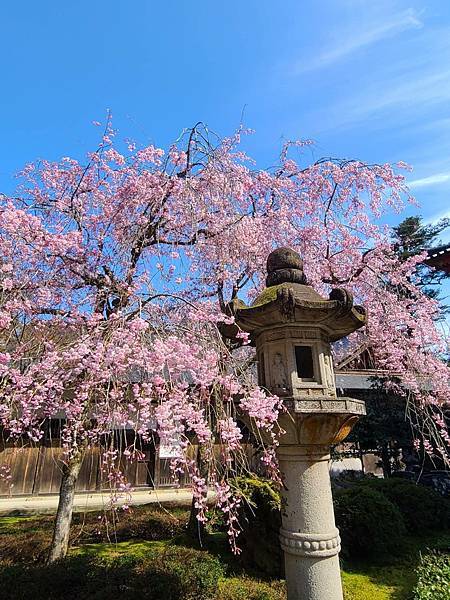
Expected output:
(390, 582)
(379, 583)
(376, 584)
(137, 548)
(249, 588)
(9, 524)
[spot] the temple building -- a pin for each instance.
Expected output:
(439, 258)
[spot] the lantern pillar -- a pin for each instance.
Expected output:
(309, 537)
(292, 327)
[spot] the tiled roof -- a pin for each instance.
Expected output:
(439, 258)
(439, 251)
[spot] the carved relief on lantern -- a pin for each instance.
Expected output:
(279, 375)
(273, 370)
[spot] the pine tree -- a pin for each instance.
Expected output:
(411, 237)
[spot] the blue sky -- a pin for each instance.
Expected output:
(364, 79)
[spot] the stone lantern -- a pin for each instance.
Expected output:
(292, 326)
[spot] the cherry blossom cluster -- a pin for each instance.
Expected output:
(115, 274)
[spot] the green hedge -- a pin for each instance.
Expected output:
(433, 575)
(373, 517)
(422, 508)
(369, 524)
(171, 574)
(260, 520)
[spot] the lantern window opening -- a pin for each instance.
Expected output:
(305, 363)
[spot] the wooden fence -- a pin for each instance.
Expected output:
(36, 469)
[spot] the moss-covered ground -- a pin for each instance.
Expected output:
(25, 539)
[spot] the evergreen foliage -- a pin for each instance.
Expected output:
(411, 237)
(433, 577)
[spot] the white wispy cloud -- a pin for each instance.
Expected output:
(436, 179)
(396, 98)
(351, 42)
(413, 89)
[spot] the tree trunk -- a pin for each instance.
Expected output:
(386, 460)
(60, 541)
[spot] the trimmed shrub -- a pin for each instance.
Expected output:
(260, 519)
(198, 573)
(421, 508)
(170, 574)
(370, 525)
(433, 575)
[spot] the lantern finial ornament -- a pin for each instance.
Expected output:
(284, 266)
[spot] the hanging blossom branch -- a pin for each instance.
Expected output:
(115, 275)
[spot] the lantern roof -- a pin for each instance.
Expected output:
(288, 299)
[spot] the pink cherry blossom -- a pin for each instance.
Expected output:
(95, 326)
